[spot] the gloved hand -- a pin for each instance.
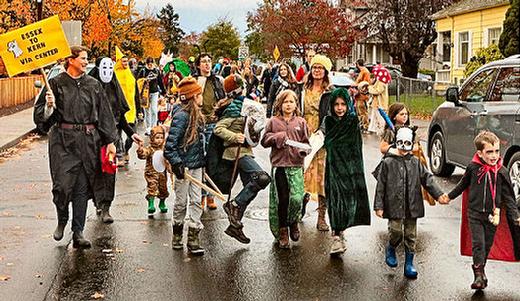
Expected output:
(178, 170)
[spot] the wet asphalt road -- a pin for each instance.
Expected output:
(132, 258)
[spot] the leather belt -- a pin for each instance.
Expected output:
(77, 126)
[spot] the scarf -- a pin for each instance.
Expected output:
(488, 171)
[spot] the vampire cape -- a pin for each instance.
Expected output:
(506, 246)
(78, 101)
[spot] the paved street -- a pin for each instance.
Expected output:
(132, 259)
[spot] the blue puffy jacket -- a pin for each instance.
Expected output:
(192, 155)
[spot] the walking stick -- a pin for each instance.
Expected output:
(202, 185)
(210, 181)
(236, 163)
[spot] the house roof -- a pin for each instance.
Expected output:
(466, 6)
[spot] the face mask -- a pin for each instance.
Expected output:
(106, 70)
(404, 139)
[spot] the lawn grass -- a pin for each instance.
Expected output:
(419, 105)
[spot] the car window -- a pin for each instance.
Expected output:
(476, 90)
(507, 86)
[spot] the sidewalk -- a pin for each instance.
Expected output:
(15, 127)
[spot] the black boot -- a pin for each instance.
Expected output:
(58, 233)
(105, 215)
(234, 214)
(194, 246)
(78, 241)
(478, 283)
(237, 234)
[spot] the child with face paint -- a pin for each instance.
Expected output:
(487, 188)
(345, 187)
(398, 197)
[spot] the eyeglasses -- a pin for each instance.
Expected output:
(318, 68)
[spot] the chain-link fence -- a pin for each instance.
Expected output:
(418, 95)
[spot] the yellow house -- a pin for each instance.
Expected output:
(462, 29)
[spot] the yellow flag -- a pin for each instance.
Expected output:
(276, 53)
(33, 46)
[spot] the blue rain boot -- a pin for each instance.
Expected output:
(391, 259)
(409, 269)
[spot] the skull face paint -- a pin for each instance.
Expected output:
(106, 70)
(404, 139)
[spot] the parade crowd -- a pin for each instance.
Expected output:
(203, 121)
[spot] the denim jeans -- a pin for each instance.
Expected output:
(248, 168)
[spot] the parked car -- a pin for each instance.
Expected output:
(488, 100)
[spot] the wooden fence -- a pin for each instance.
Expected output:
(18, 90)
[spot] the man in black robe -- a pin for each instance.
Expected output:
(104, 191)
(80, 120)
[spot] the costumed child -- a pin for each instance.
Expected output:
(378, 90)
(157, 182)
(287, 135)
(239, 134)
(398, 197)
(185, 152)
(487, 189)
(345, 187)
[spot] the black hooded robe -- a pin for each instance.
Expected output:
(78, 101)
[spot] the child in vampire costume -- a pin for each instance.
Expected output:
(486, 231)
(80, 122)
(400, 176)
(105, 186)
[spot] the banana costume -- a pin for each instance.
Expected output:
(128, 85)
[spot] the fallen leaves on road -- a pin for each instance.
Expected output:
(17, 149)
(97, 296)
(4, 277)
(147, 242)
(1, 258)
(106, 251)
(119, 251)
(38, 276)
(140, 270)
(9, 264)
(165, 245)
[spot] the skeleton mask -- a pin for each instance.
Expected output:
(106, 70)
(404, 139)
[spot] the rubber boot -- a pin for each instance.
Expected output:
(177, 236)
(78, 241)
(194, 242)
(211, 203)
(237, 234)
(283, 241)
(306, 199)
(391, 259)
(409, 269)
(478, 283)
(151, 205)
(294, 232)
(105, 215)
(162, 206)
(322, 209)
(234, 214)
(58, 232)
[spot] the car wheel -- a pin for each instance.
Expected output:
(437, 156)
(514, 174)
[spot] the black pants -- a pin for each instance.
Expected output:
(282, 187)
(124, 145)
(80, 195)
(482, 235)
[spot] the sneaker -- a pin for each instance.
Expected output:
(338, 245)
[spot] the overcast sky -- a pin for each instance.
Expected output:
(196, 15)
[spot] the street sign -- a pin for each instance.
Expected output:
(33, 46)
(243, 52)
(276, 53)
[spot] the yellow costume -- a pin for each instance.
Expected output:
(127, 82)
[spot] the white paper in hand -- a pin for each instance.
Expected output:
(316, 140)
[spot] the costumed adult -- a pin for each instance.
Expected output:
(105, 186)
(285, 80)
(128, 85)
(379, 92)
(315, 105)
(345, 187)
(212, 95)
(80, 120)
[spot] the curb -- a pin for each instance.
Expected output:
(16, 140)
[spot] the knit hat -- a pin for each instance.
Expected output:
(233, 84)
(322, 60)
(187, 88)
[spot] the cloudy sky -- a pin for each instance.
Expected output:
(196, 15)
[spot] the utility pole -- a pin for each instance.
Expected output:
(39, 9)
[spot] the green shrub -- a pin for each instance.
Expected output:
(484, 56)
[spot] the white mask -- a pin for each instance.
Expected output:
(404, 139)
(106, 70)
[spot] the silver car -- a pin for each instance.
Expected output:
(488, 100)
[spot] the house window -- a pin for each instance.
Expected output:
(463, 48)
(446, 46)
(494, 35)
